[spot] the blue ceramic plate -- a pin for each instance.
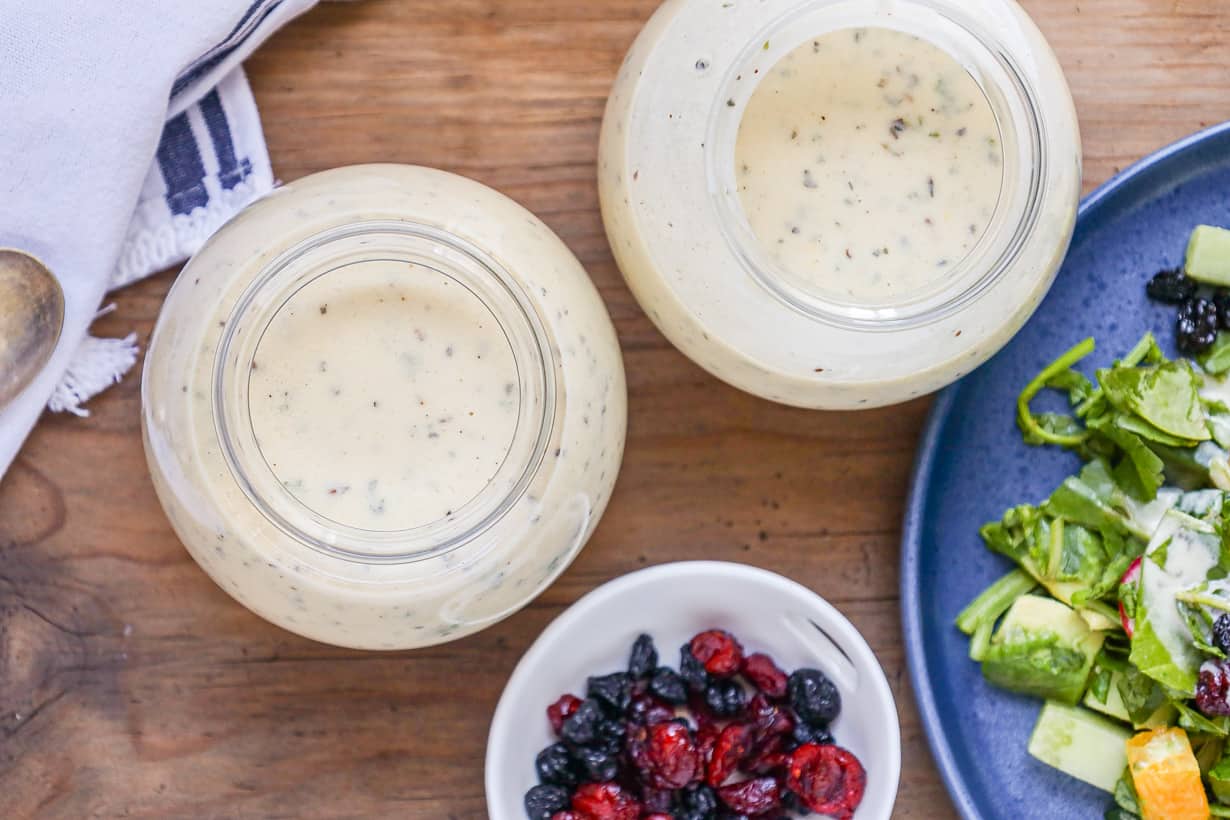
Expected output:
(972, 465)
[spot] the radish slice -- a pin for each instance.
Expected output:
(1132, 576)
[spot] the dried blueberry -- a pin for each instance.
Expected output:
(555, 766)
(1221, 633)
(1171, 287)
(648, 710)
(643, 659)
(692, 670)
(599, 765)
(1221, 300)
(792, 803)
(609, 735)
(814, 697)
(613, 691)
(700, 798)
(804, 732)
(1196, 328)
(582, 726)
(543, 801)
(725, 698)
(668, 686)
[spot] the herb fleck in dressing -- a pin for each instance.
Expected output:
(391, 396)
(869, 163)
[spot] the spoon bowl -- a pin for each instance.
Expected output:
(31, 318)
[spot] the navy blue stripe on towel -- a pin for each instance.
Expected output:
(219, 54)
(231, 170)
(179, 159)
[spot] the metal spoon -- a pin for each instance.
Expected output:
(31, 317)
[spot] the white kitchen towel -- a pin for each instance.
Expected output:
(129, 135)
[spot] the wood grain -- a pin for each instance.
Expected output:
(131, 687)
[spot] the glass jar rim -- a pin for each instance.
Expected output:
(1009, 229)
(444, 253)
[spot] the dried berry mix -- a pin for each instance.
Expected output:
(727, 735)
(1201, 313)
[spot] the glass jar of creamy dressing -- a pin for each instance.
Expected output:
(384, 407)
(839, 203)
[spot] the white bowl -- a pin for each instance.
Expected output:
(672, 602)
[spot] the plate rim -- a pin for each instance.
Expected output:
(920, 481)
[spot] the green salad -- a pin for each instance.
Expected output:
(1118, 610)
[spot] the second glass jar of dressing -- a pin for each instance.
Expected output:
(839, 203)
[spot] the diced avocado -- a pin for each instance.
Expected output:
(1042, 648)
(1208, 255)
(1219, 779)
(1081, 744)
(1113, 707)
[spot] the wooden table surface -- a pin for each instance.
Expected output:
(131, 686)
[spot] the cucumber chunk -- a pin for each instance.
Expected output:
(1080, 744)
(1208, 255)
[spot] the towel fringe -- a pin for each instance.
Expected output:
(97, 364)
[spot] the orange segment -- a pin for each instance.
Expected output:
(1166, 776)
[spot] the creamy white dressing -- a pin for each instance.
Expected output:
(388, 415)
(693, 238)
(384, 395)
(869, 163)
(1191, 550)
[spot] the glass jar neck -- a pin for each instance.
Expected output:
(409, 250)
(972, 44)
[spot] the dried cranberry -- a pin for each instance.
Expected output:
(561, 710)
(1213, 688)
(732, 746)
(768, 718)
(659, 815)
(760, 669)
(566, 815)
(673, 759)
(706, 740)
(828, 779)
(767, 757)
(751, 796)
(720, 653)
(605, 801)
